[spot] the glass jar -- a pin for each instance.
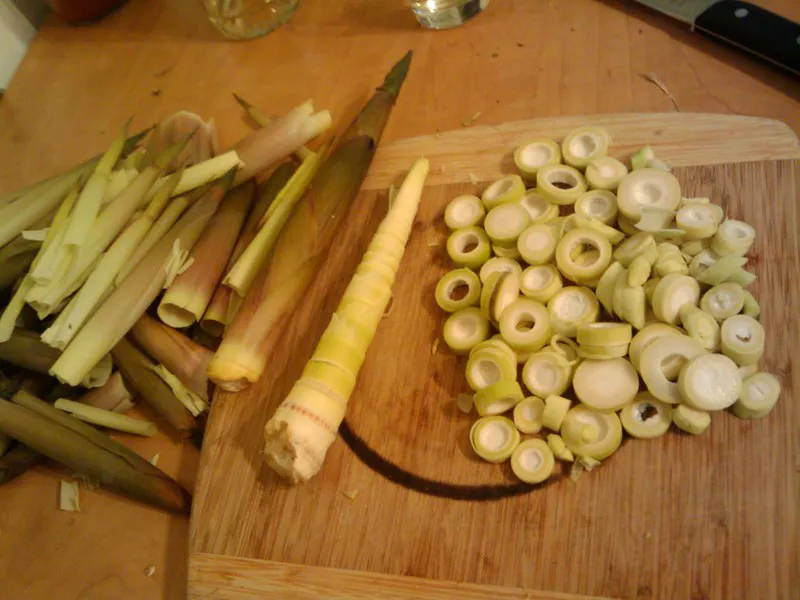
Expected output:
(246, 19)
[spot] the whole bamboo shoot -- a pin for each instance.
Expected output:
(303, 245)
(305, 424)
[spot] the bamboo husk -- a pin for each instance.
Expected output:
(69, 441)
(113, 396)
(26, 349)
(188, 296)
(215, 319)
(139, 374)
(128, 302)
(181, 356)
(16, 461)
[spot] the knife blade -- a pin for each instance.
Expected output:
(761, 32)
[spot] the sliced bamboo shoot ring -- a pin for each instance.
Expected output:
(701, 327)
(733, 237)
(748, 370)
(647, 187)
(630, 304)
(605, 173)
(539, 209)
(540, 282)
(654, 219)
(583, 145)
(742, 339)
(589, 239)
(702, 261)
(673, 292)
(559, 448)
(699, 221)
(560, 184)
(694, 247)
(498, 397)
(710, 382)
(646, 417)
(721, 270)
(690, 420)
(458, 289)
(509, 189)
(547, 373)
(532, 461)
(469, 247)
(751, 305)
(639, 271)
(591, 352)
(597, 204)
(510, 252)
(639, 244)
(723, 301)
(537, 244)
(626, 225)
(605, 385)
(505, 222)
(494, 438)
(464, 211)
(607, 429)
(528, 414)
(488, 366)
(658, 361)
(496, 343)
(499, 265)
(465, 328)
(604, 334)
(570, 307)
(525, 325)
(612, 235)
(606, 284)
(532, 156)
(500, 290)
(555, 409)
(760, 393)
(563, 345)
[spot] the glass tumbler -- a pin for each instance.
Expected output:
(444, 14)
(247, 19)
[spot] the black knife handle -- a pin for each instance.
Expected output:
(756, 30)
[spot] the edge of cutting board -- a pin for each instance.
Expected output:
(715, 139)
(227, 578)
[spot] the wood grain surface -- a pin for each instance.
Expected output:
(714, 516)
(519, 60)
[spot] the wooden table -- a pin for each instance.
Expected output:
(521, 59)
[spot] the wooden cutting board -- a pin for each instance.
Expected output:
(713, 516)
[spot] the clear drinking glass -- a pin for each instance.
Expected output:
(444, 14)
(246, 19)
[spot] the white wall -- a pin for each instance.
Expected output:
(16, 33)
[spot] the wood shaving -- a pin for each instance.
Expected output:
(653, 78)
(471, 121)
(435, 346)
(351, 494)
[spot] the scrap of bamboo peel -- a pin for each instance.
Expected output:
(653, 78)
